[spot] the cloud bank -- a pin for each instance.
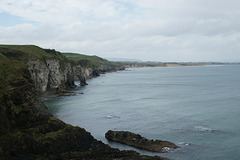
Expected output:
(157, 30)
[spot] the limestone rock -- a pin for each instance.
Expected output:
(50, 74)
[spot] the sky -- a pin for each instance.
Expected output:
(149, 30)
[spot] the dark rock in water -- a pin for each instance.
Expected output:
(83, 83)
(137, 141)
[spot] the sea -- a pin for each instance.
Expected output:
(197, 108)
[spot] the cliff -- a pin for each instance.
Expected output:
(49, 75)
(28, 130)
(86, 67)
(53, 71)
(49, 70)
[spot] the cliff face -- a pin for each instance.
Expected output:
(27, 129)
(49, 69)
(86, 67)
(51, 75)
(84, 73)
(54, 75)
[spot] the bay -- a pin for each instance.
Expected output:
(197, 108)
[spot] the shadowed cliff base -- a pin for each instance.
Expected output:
(28, 131)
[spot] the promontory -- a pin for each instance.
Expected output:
(27, 129)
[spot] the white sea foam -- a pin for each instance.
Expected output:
(204, 129)
(111, 116)
(166, 149)
(184, 143)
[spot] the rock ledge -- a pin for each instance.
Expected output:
(137, 141)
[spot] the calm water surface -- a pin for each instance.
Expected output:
(198, 108)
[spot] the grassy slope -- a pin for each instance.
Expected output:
(24, 52)
(88, 61)
(8, 69)
(3, 58)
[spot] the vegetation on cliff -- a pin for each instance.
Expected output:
(25, 52)
(89, 61)
(137, 141)
(27, 129)
(91, 66)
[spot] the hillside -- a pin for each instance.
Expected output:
(25, 52)
(89, 61)
(27, 128)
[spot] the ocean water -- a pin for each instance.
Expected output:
(198, 108)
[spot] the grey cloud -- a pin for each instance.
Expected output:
(162, 30)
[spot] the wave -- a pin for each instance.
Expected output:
(167, 149)
(184, 143)
(204, 129)
(111, 116)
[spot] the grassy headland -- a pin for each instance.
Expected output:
(89, 61)
(24, 52)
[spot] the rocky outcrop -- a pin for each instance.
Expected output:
(107, 68)
(50, 74)
(83, 73)
(135, 140)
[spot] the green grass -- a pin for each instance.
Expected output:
(24, 52)
(88, 61)
(8, 70)
(13, 60)
(79, 56)
(3, 58)
(29, 49)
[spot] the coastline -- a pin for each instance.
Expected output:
(28, 129)
(169, 65)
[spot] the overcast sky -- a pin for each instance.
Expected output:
(156, 30)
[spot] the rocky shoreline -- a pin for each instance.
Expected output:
(28, 130)
(137, 141)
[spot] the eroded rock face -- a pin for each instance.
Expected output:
(135, 140)
(107, 68)
(51, 74)
(84, 73)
